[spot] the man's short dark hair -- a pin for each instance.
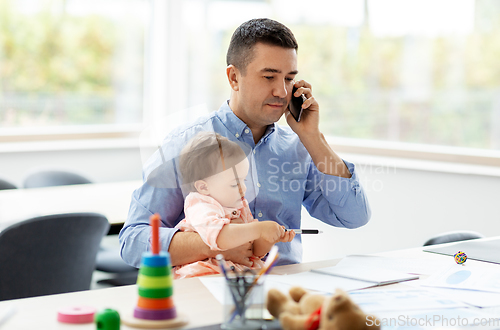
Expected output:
(264, 30)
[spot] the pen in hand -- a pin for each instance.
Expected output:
(306, 231)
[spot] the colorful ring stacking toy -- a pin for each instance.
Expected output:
(155, 282)
(460, 257)
(155, 306)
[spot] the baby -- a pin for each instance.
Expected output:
(215, 168)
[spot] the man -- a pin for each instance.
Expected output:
(289, 166)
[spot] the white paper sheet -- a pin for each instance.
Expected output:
(377, 275)
(321, 282)
(405, 265)
(474, 298)
(466, 277)
(374, 301)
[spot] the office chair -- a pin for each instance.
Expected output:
(4, 185)
(109, 261)
(453, 236)
(49, 178)
(50, 254)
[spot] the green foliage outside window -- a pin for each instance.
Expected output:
(359, 80)
(55, 68)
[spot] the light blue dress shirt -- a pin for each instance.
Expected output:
(282, 178)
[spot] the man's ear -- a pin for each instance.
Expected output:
(232, 76)
(201, 186)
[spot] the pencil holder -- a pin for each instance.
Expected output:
(243, 304)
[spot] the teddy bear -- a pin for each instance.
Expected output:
(302, 310)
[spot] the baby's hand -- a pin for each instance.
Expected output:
(271, 231)
(288, 236)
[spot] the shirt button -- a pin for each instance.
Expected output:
(260, 214)
(237, 135)
(254, 151)
(247, 131)
(258, 185)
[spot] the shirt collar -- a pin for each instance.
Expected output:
(235, 125)
(270, 130)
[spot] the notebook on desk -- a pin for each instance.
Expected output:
(377, 276)
(481, 250)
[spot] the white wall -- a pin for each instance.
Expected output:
(408, 205)
(99, 164)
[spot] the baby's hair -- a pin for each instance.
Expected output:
(207, 154)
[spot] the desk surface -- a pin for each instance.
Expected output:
(190, 295)
(110, 199)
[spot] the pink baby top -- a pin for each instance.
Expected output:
(206, 216)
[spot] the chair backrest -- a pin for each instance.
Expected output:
(53, 178)
(453, 236)
(50, 254)
(4, 184)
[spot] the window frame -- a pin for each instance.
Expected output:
(413, 151)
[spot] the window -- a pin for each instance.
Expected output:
(413, 73)
(424, 72)
(69, 65)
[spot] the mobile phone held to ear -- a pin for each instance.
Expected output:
(295, 105)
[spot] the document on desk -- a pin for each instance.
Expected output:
(374, 301)
(405, 265)
(375, 275)
(481, 299)
(467, 278)
(320, 282)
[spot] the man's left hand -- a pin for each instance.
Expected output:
(309, 122)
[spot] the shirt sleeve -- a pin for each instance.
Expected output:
(207, 220)
(335, 200)
(160, 193)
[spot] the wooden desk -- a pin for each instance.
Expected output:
(110, 199)
(190, 295)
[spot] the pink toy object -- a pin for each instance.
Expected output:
(76, 314)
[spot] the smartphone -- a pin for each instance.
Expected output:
(295, 105)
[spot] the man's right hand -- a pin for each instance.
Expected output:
(240, 254)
